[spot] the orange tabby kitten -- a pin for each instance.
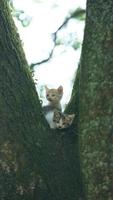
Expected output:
(53, 96)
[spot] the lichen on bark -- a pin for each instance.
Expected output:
(96, 100)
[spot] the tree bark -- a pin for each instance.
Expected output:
(96, 101)
(35, 162)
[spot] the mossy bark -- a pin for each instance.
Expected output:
(35, 162)
(96, 101)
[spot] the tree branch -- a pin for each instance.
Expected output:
(76, 14)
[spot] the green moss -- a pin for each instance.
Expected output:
(95, 104)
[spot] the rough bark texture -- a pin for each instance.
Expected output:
(96, 101)
(35, 162)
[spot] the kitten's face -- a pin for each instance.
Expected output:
(54, 95)
(62, 121)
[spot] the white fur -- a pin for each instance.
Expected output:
(49, 118)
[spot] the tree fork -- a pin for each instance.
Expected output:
(29, 149)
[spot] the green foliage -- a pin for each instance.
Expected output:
(79, 14)
(20, 15)
(76, 45)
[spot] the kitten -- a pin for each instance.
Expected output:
(61, 120)
(53, 96)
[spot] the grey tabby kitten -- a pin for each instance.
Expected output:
(61, 120)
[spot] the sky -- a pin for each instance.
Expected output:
(47, 16)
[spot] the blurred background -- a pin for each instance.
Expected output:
(51, 32)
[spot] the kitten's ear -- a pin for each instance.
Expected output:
(72, 117)
(46, 88)
(60, 89)
(57, 113)
(56, 116)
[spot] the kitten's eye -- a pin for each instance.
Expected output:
(47, 95)
(53, 95)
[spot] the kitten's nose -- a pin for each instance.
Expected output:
(59, 127)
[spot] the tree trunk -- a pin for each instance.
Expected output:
(35, 162)
(96, 101)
